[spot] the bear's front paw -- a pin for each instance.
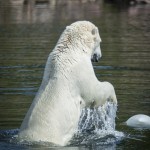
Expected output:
(109, 92)
(112, 100)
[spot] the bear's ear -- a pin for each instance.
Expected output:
(93, 31)
(68, 27)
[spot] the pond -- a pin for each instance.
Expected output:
(28, 33)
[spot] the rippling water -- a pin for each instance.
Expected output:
(28, 32)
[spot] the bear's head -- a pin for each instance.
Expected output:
(85, 36)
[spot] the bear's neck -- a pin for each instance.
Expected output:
(65, 56)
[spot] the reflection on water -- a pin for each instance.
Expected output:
(51, 11)
(29, 31)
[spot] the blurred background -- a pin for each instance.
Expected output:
(29, 30)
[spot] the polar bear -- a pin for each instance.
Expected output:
(69, 84)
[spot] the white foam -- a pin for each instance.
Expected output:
(99, 121)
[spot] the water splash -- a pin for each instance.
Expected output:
(101, 118)
(97, 125)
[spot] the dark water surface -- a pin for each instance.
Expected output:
(28, 32)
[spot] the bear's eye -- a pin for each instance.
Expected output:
(93, 31)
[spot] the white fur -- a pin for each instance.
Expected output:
(69, 84)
